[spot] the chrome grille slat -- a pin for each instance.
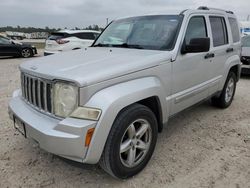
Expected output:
(26, 87)
(29, 90)
(34, 91)
(37, 92)
(22, 84)
(45, 96)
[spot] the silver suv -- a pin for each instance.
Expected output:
(106, 104)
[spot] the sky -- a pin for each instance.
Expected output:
(82, 13)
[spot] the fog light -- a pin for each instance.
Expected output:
(86, 113)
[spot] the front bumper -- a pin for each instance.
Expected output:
(61, 137)
(245, 69)
(34, 50)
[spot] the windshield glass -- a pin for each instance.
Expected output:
(146, 32)
(246, 41)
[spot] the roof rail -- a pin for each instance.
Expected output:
(203, 8)
(208, 8)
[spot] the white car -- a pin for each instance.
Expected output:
(245, 55)
(66, 40)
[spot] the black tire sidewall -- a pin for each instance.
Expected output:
(121, 125)
(223, 95)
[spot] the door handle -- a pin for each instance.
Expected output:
(229, 50)
(209, 55)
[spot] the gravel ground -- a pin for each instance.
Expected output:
(202, 147)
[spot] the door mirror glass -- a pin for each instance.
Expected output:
(196, 45)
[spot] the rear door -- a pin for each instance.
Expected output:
(221, 48)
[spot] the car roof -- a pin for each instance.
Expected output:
(76, 31)
(199, 10)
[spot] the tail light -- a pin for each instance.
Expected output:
(61, 41)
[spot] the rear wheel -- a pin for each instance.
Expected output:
(131, 142)
(226, 97)
(26, 52)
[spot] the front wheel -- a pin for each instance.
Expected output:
(226, 97)
(26, 52)
(131, 142)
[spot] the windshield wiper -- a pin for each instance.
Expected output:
(101, 45)
(126, 45)
(123, 45)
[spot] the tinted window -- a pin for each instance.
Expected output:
(56, 36)
(246, 41)
(86, 36)
(196, 29)
(4, 41)
(219, 31)
(235, 29)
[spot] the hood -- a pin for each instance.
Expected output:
(245, 51)
(93, 65)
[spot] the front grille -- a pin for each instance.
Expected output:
(37, 92)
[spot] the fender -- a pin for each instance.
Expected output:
(232, 61)
(111, 101)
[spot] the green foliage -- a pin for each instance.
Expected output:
(46, 29)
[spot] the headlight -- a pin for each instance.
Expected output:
(65, 99)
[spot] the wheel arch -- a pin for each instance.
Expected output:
(146, 91)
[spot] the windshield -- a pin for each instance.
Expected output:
(146, 32)
(246, 41)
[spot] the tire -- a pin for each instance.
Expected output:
(26, 53)
(227, 95)
(115, 158)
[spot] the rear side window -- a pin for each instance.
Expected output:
(196, 28)
(86, 36)
(219, 31)
(235, 29)
(56, 36)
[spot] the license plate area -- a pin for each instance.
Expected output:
(19, 126)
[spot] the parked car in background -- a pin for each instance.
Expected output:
(9, 47)
(107, 103)
(66, 40)
(245, 55)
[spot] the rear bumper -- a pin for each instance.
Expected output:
(61, 137)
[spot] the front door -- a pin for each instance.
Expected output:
(190, 71)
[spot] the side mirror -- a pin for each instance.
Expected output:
(197, 45)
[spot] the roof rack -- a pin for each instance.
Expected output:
(207, 8)
(203, 8)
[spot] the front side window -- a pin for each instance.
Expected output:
(196, 29)
(219, 30)
(235, 29)
(145, 32)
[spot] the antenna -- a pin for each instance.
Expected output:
(248, 18)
